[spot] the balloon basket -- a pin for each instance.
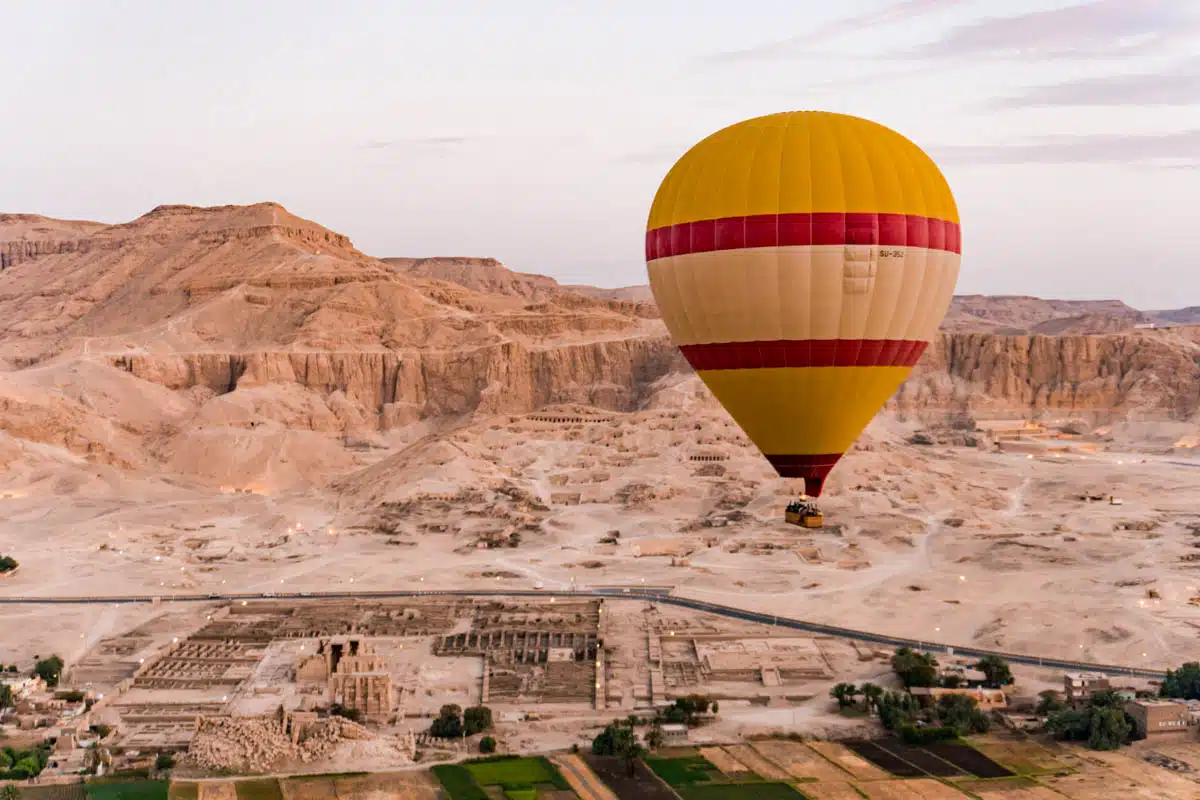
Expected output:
(804, 513)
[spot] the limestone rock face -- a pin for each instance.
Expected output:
(1152, 371)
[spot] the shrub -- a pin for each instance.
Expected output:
(49, 670)
(477, 720)
(919, 736)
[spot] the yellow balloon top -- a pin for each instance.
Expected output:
(802, 162)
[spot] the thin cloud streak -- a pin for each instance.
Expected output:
(1181, 147)
(801, 43)
(1178, 85)
(1097, 29)
(421, 141)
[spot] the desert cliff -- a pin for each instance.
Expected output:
(191, 334)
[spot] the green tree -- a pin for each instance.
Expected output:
(952, 681)
(654, 737)
(914, 669)
(1109, 728)
(477, 720)
(844, 694)
(1182, 683)
(6, 696)
(997, 671)
(618, 739)
(487, 745)
(716, 707)
(1049, 703)
(10, 792)
(1107, 699)
(449, 724)
(1073, 725)
(49, 670)
(165, 761)
(961, 712)
(871, 693)
(630, 752)
(7, 564)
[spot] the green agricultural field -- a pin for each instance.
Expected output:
(740, 791)
(516, 772)
(127, 790)
(685, 771)
(458, 782)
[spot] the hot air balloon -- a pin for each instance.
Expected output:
(802, 262)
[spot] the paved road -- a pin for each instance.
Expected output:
(654, 594)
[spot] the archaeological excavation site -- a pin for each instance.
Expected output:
(276, 685)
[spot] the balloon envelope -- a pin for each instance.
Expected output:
(802, 262)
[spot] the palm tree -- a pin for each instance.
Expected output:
(871, 692)
(844, 694)
(654, 737)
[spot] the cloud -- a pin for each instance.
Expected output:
(799, 44)
(1180, 149)
(1097, 29)
(421, 141)
(1178, 85)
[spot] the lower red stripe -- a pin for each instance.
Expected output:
(805, 353)
(813, 469)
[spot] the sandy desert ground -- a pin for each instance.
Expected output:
(236, 399)
(953, 544)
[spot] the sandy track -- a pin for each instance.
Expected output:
(583, 781)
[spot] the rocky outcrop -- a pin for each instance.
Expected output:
(1156, 372)
(13, 253)
(486, 275)
(402, 386)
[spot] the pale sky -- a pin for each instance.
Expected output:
(537, 131)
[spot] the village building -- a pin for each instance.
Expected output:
(674, 734)
(1153, 718)
(1080, 686)
(22, 686)
(968, 677)
(987, 699)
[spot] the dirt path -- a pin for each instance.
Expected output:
(582, 779)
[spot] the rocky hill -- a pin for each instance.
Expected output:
(1178, 316)
(485, 275)
(244, 345)
(1017, 314)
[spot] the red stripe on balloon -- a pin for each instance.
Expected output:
(804, 353)
(796, 230)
